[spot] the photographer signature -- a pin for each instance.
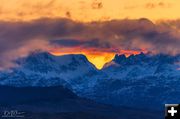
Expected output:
(13, 113)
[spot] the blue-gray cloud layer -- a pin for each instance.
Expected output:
(21, 37)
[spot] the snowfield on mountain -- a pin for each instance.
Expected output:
(142, 80)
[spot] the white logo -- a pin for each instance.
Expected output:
(12, 113)
(172, 111)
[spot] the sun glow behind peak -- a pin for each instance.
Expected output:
(98, 58)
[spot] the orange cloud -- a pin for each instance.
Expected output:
(152, 5)
(97, 4)
(88, 10)
(101, 39)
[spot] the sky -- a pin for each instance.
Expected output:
(88, 10)
(98, 29)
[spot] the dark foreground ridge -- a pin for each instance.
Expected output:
(60, 103)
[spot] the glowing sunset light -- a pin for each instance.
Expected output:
(98, 58)
(88, 10)
(130, 52)
(99, 29)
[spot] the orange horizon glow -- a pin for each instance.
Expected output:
(89, 10)
(99, 58)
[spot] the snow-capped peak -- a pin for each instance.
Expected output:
(43, 68)
(143, 65)
(145, 59)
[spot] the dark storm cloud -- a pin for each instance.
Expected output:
(90, 43)
(17, 39)
(67, 42)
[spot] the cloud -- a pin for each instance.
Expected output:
(83, 43)
(28, 10)
(151, 5)
(17, 39)
(68, 14)
(97, 4)
(130, 7)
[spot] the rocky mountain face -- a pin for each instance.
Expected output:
(44, 69)
(143, 65)
(142, 81)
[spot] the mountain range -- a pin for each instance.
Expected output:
(57, 102)
(143, 81)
